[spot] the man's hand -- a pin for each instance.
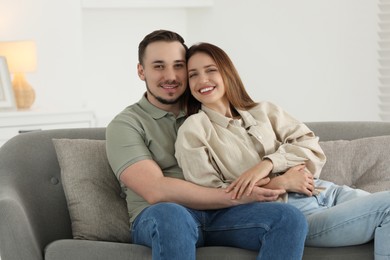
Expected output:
(260, 194)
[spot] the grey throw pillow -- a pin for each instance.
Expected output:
(362, 163)
(97, 211)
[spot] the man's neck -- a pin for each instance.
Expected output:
(172, 108)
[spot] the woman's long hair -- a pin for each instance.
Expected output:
(234, 88)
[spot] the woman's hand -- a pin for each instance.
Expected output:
(297, 179)
(255, 176)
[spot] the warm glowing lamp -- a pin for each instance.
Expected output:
(21, 58)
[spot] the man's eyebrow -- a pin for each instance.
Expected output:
(161, 61)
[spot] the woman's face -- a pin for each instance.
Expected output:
(205, 80)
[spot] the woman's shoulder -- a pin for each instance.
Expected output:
(265, 106)
(196, 120)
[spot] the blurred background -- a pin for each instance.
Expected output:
(318, 59)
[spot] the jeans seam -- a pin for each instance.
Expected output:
(225, 228)
(152, 220)
(341, 224)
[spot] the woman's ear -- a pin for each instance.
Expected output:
(141, 73)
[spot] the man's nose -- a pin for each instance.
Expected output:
(170, 73)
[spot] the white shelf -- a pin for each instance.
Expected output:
(17, 122)
(92, 4)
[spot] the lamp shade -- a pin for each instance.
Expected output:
(21, 55)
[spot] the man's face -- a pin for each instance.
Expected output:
(165, 73)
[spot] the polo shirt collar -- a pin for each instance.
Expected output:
(154, 111)
(224, 121)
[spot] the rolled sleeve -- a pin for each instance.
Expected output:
(296, 143)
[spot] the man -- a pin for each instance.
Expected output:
(167, 213)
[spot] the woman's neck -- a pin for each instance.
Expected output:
(224, 109)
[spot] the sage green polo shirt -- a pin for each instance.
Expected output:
(140, 132)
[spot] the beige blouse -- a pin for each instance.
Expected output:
(213, 150)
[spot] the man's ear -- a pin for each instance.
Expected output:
(141, 73)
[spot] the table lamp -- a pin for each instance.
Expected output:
(21, 58)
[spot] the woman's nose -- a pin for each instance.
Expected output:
(204, 78)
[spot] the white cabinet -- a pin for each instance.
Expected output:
(14, 123)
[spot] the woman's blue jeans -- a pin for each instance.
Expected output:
(342, 216)
(275, 230)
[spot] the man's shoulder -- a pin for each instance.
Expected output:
(131, 117)
(132, 112)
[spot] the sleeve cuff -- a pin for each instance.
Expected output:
(279, 162)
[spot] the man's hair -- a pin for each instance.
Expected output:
(159, 35)
(234, 88)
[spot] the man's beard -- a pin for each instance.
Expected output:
(163, 100)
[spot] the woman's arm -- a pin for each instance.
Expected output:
(287, 143)
(295, 143)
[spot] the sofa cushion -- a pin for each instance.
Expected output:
(361, 163)
(97, 210)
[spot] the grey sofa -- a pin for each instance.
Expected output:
(34, 218)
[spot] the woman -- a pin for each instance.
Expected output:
(231, 142)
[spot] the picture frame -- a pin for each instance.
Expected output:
(7, 98)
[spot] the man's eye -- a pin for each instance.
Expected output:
(159, 67)
(179, 66)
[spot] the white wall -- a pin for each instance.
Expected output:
(315, 58)
(110, 53)
(56, 27)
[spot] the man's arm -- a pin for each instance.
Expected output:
(147, 180)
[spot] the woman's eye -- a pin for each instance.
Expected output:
(192, 75)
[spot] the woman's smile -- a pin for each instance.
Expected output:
(206, 90)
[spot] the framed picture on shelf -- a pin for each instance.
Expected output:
(7, 99)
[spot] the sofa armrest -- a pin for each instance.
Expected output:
(33, 208)
(18, 238)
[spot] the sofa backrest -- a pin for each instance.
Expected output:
(348, 130)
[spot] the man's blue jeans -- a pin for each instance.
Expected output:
(342, 216)
(275, 230)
